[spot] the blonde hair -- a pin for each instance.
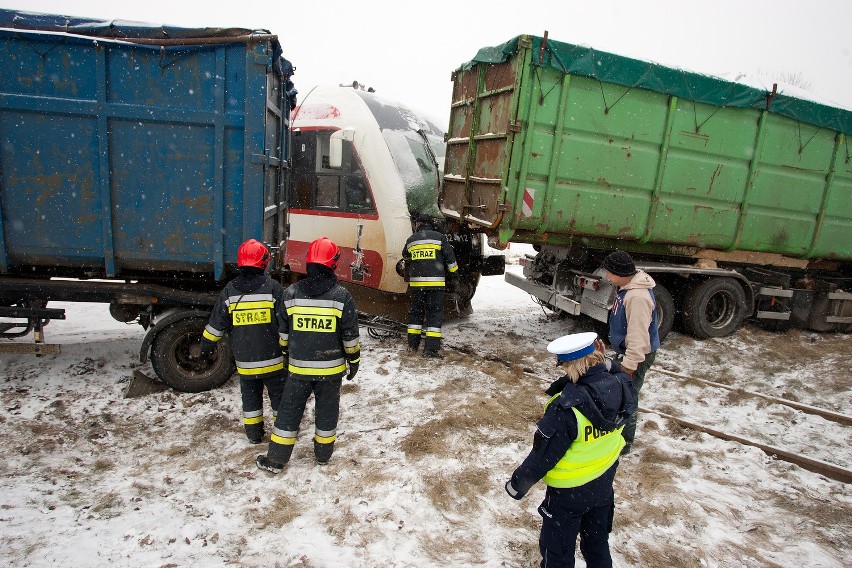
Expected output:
(578, 367)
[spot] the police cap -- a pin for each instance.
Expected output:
(573, 346)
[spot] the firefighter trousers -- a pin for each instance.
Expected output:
(251, 390)
(326, 412)
(425, 315)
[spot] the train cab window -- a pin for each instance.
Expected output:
(316, 185)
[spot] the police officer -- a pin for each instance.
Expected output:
(430, 259)
(633, 326)
(251, 310)
(321, 333)
(575, 450)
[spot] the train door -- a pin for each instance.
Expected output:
(336, 202)
(317, 186)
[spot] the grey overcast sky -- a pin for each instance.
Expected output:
(407, 50)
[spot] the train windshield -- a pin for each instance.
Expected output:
(418, 151)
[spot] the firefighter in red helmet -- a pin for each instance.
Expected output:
(321, 333)
(251, 311)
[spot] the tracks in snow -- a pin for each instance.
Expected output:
(820, 466)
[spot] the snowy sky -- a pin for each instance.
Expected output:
(407, 50)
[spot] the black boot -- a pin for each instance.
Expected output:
(430, 354)
(269, 465)
(255, 433)
(323, 452)
(280, 453)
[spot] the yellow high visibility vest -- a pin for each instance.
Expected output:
(589, 456)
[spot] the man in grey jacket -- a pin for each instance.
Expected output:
(633, 326)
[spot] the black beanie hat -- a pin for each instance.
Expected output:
(620, 264)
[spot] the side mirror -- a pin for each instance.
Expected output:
(335, 146)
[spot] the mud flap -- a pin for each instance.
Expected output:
(141, 385)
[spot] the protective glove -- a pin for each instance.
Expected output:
(513, 493)
(402, 269)
(353, 370)
(452, 284)
(205, 354)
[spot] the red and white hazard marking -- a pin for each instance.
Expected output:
(527, 206)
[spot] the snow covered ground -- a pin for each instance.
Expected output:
(88, 478)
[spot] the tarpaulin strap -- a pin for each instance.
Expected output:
(541, 94)
(695, 117)
(177, 57)
(608, 107)
(802, 146)
(40, 54)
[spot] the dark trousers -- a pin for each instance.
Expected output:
(425, 314)
(629, 432)
(586, 511)
(251, 390)
(326, 410)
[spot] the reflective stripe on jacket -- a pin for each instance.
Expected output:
(430, 257)
(322, 333)
(253, 320)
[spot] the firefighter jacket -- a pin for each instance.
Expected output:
(320, 328)
(251, 310)
(430, 258)
(579, 437)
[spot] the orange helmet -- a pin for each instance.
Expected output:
(325, 252)
(253, 253)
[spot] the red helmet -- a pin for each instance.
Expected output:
(253, 253)
(325, 252)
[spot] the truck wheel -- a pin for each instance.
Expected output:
(822, 307)
(170, 357)
(713, 308)
(458, 301)
(665, 310)
(467, 288)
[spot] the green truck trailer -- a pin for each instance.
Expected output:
(735, 199)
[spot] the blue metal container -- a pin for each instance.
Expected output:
(138, 151)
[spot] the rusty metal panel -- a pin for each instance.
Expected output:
(556, 157)
(120, 159)
(481, 123)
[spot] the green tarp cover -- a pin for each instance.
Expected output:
(611, 68)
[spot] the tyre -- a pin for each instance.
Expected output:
(822, 307)
(665, 315)
(457, 301)
(665, 310)
(467, 288)
(170, 357)
(713, 308)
